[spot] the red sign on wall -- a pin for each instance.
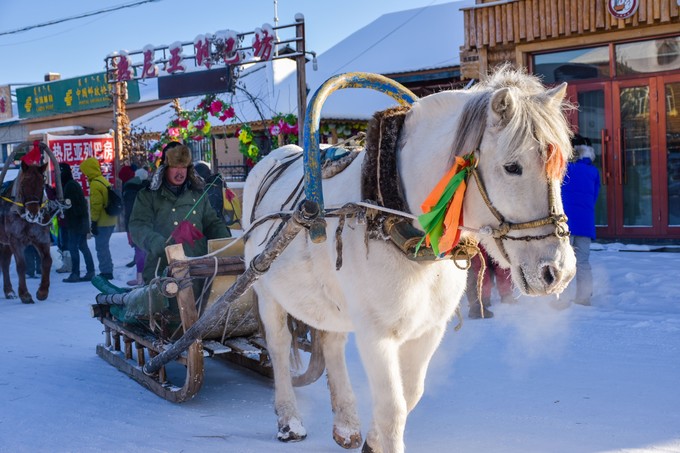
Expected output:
(76, 148)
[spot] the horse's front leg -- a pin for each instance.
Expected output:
(274, 318)
(414, 358)
(45, 267)
(18, 252)
(346, 424)
(5, 260)
(380, 357)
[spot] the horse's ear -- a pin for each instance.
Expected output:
(502, 106)
(24, 167)
(556, 95)
(43, 167)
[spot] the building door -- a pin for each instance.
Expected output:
(635, 130)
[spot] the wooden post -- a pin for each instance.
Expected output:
(301, 62)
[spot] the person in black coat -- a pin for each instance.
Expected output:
(133, 182)
(77, 222)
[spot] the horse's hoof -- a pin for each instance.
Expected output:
(349, 440)
(367, 448)
(292, 432)
(42, 295)
(27, 300)
(11, 295)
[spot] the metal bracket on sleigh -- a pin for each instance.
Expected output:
(309, 215)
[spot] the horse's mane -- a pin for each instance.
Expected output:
(532, 117)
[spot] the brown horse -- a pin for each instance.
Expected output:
(25, 219)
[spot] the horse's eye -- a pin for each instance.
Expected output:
(513, 168)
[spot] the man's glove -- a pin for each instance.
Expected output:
(94, 229)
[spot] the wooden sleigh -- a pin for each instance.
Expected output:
(129, 346)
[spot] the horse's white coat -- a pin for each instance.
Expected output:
(397, 308)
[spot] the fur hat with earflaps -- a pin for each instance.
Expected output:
(176, 154)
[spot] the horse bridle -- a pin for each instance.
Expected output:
(500, 233)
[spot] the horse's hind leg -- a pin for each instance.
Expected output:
(5, 260)
(346, 425)
(274, 318)
(45, 266)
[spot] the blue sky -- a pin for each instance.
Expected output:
(78, 47)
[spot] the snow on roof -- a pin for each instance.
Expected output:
(58, 130)
(403, 41)
(411, 40)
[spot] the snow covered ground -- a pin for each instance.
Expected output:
(604, 378)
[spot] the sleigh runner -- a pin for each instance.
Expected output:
(138, 325)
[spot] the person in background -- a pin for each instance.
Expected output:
(579, 193)
(172, 200)
(223, 200)
(133, 182)
(33, 261)
(77, 223)
(492, 274)
(102, 224)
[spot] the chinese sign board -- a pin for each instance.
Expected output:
(5, 103)
(76, 148)
(68, 96)
(196, 83)
(224, 47)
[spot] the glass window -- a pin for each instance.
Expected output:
(648, 56)
(672, 93)
(577, 64)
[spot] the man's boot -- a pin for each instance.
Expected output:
(66, 263)
(476, 310)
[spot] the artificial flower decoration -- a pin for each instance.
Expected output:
(443, 208)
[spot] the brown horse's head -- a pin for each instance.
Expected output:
(30, 189)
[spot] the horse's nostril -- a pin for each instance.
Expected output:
(549, 274)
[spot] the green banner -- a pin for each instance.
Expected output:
(68, 96)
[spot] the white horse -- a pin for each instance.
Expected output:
(399, 308)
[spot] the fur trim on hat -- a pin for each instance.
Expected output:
(194, 181)
(178, 156)
(584, 151)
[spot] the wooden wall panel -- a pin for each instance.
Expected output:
(528, 20)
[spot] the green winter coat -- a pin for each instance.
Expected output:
(156, 213)
(99, 196)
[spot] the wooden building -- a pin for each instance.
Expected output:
(621, 59)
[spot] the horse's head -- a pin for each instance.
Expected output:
(514, 198)
(30, 188)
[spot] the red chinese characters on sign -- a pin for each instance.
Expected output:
(176, 61)
(149, 69)
(263, 42)
(202, 45)
(124, 69)
(227, 42)
(3, 105)
(75, 149)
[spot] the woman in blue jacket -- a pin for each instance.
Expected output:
(579, 194)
